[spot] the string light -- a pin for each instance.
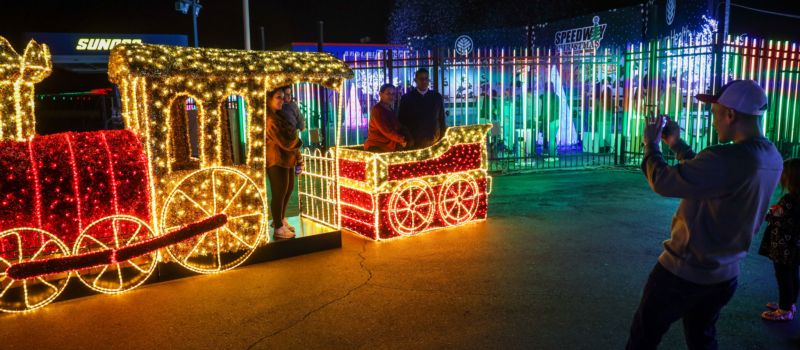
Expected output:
(459, 199)
(59, 183)
(105, 256)
(317, 188)
(216, 190)
(121, 276)
(18, 73)
(30, 244)
(211, 219)
(29, 265)
(154, 80)
(387, 195)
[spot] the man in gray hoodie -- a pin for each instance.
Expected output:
(725, 192)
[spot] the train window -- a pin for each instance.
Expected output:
(194, 131)
(185, 133)
(236, 108)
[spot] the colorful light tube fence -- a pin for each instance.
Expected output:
(554, 110)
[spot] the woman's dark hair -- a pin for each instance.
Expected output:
(272, 92)
(790, 179)
(270, 95)
(384, 87)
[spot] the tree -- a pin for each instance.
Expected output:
(416, 17)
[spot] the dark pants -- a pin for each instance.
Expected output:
(788, 285)
(668, 298)
(281, 183)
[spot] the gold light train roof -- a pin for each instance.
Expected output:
(280, 67)
(32, 66)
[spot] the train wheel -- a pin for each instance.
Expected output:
(213, 191)
(23, 245)
(114, 232)
(411, 207)
(458, 200)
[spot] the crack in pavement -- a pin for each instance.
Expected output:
(308, 314)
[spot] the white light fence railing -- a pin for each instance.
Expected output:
(317, 187)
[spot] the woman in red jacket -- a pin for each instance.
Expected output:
(384, 133)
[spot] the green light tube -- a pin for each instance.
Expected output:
(503, 92)
(780, 101)
(514, 100)
(478, 97)
(491, 84)
(593, 102)
(525, 81)
(668, 87)
(467, 90)
(536, 104)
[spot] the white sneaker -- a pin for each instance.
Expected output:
(283, 233)
(774, 306)
(286, 224)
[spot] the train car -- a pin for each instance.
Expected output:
(103, 205)
(395, 194)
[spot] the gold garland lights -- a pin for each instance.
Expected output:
(414, 205)
(18, 73)
(155, 80)
(377, 164)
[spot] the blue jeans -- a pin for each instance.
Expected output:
(668, 298)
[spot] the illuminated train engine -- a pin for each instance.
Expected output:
(108, 206)
(387, 195)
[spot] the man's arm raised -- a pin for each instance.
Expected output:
(703, 176)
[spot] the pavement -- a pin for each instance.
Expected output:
(560, 264)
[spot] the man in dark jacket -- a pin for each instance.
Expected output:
(422, 113)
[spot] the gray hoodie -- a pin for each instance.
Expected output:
(293, 115)
(725, 192)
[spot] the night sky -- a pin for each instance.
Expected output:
(220, 21)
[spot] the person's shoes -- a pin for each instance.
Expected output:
(778, 315)
(774, 306)
(286, 224)
(283, 233)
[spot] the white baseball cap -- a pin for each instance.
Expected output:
(744, 96)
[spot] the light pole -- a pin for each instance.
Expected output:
(184, 6)
(246, 18)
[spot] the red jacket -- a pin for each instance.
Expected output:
(383, 129)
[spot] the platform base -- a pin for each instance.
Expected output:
(310, 237)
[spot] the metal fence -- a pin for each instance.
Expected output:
(568, 110)
(681, 71)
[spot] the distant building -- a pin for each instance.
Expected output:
(351, 51)
(77, 96)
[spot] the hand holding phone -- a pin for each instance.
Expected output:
(672, 131)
